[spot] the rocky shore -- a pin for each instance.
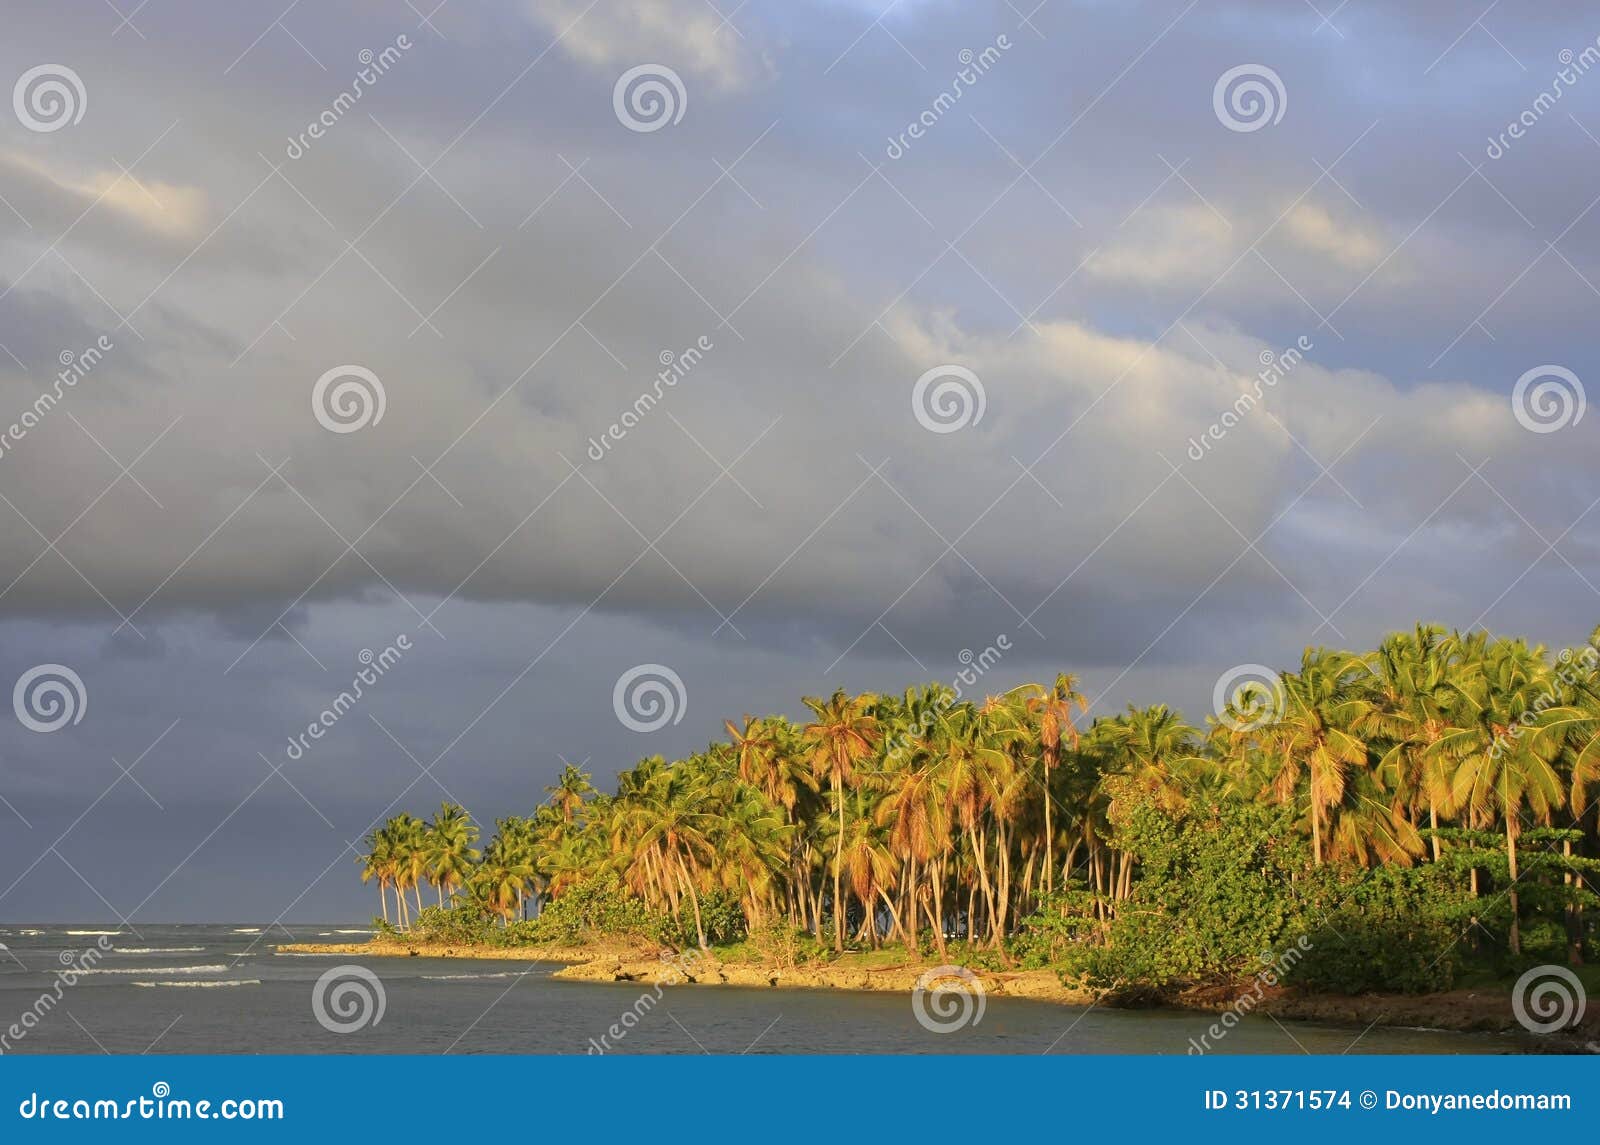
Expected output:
(379, 948)
(1041, 985)
(1466, 1011)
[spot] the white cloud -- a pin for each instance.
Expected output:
(1350, 243)
(684, 34)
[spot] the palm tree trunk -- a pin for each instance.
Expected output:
(838, 870)
(894, 915)
(1574, 919)
(1511, 891)
(1316, 821)
(908, 935)
(1049, 834)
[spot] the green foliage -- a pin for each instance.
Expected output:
(779, 945)
(1217, 889)
(463, 923)
(722, 916)
(1390, 928)
(597, 907)
(1063, 922)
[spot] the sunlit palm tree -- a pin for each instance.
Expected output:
(843, 735)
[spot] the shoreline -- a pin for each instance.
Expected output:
(1468, 1011)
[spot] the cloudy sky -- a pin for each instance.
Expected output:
(953, 296)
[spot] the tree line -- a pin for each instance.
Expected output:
(924, 818)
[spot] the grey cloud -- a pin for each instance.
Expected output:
(1081, 526)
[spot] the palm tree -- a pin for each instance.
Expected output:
(1053, 709)
(378, 863)
(501, 881)
(1505, 738)
(448, 848)
(569, 792)
(407, 846)
(844, 734)
(1319, 735)
(1412, 675)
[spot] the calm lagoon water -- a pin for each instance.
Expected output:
(222, 989)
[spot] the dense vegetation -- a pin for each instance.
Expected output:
(1401, 814)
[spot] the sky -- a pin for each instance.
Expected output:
(571, 377)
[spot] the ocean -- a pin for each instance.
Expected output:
(222, 988)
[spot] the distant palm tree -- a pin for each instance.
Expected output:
(448, 849)
(378, 863)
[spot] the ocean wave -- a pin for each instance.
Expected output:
(88, 932)
(247, 930)
(156, 949)
(154, 970)
(467, 977)
(364, 930)
(202, 985)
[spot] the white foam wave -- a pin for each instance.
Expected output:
(156, 949)
(468, 977)
(218, 969)
(203, 985)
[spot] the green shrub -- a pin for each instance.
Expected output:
(1391, 928)
(1216, 889)
(596, 908)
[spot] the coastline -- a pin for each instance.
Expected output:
(1461, 1011)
